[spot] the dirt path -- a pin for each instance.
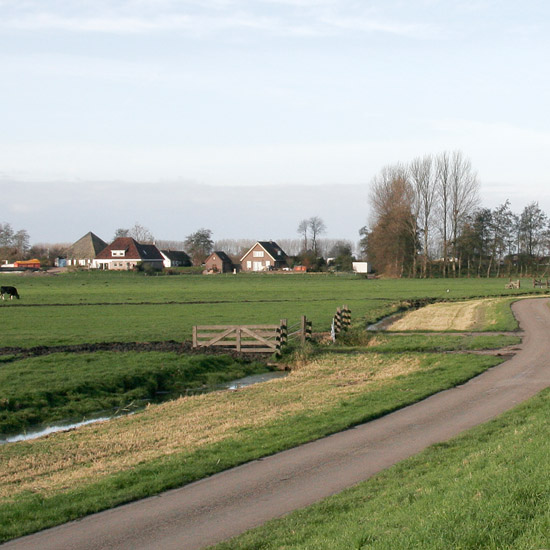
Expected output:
(226, 504)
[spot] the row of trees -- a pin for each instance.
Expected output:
(426, 220)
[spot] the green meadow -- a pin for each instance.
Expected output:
(87, 308)
(126, 307)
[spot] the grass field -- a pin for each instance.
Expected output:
(108, 307)
(64, 476)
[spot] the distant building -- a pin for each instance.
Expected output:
(264, 256)
(361, 267)
(175, 258)
(126, 253)
(218, 262)
(83, 252)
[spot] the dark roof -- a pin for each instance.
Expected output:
(176, 255)
(134, 250)
(86, 247)
(222, 256)
(274, 250)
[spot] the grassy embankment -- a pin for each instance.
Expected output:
(488, 488)
(67, 475)
(64, 386)
(48, 481)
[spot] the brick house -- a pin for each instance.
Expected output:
(218, 262)
(126, 253)
(264, 256)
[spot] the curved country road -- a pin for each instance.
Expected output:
(228, 503)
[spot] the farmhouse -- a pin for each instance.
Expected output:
(83, 251)
(218, 262)
(175, 258)
(126, 253)
(264, 256)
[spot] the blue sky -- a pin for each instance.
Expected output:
(113, 98)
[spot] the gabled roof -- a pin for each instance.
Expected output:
(86, 247)
(176, 255)
(222, 256)
(272, 248)
(133, 250)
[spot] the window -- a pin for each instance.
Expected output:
(258, 253)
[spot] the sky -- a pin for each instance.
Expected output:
(246, 117)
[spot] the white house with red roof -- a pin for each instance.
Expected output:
(125, 253)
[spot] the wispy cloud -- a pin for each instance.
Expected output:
(276, 17)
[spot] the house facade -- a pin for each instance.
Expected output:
(218, 262)
(125, 253)
(264, 256)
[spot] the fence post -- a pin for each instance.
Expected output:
(309, 330)
(238, 338)
(282, 335)
(303, 327)
(195, 344)
(346, 321)
(338, 321)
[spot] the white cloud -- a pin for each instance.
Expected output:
(289, 18)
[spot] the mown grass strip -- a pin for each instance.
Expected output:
(488, 488)
(439, 342)
(29, 510)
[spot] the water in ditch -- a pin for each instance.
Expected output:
(42, 430)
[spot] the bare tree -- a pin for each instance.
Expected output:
(21, 241)
(423, 179)
(443, 190)
(303, 230)
(317, 227)
(464, 196)
(141, 234)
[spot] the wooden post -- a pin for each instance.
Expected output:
(195, 344)
(346, 317)
(282, 335)
(338, 321)
(238, 338)
(303, 328)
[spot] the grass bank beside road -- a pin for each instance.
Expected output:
(488, 488)
(51, 480)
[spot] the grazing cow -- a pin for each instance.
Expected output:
(10, 290)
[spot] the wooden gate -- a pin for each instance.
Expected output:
(244, 338)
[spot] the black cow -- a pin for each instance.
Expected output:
(10, 290)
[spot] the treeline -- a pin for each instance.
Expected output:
(427, 221)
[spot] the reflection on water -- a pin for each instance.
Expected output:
(40, 431)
